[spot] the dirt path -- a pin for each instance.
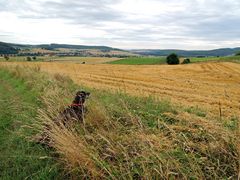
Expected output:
(19, 158)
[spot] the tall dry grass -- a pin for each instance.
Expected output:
(122, 138)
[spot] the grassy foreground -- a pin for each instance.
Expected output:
(123, 137)
(20, 158)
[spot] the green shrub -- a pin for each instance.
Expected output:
(29, 58)
(172, 59)
(237, 54)
(186, 61)
(6, 57)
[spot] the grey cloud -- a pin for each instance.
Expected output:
(217, 22)
(77, 12)
(206, 20)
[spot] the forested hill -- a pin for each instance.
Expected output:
(215, 52)
(5, 48)
(9, 48)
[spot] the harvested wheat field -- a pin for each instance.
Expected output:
(211, 86)
(86, 60)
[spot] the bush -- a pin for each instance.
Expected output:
(34, 57)
(172, 59)
(6, 57)
(237, 54)
(29, 58)
(186, 61)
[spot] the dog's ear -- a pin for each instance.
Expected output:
(78, 93)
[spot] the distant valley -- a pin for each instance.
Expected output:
(104, 51)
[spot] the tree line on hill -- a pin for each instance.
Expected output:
(189, 53)
(7, 49)
(15, 49)
(54, 50)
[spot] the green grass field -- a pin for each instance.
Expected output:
(123, 136)
(162, 60)
(227, 58)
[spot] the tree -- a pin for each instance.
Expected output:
(29, 58)
(237, 54)
(186, 61)
(172, 59)
(6, 57)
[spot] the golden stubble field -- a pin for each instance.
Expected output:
(80, 60)
(210, 86)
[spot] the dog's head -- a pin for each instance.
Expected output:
(80, 97)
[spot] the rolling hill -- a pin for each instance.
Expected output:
(7, 49)
(84, 50)
(62, 50)
(192, 53)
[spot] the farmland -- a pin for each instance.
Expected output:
(216, 59)
(143, 121)
(140, 61)
(207, 85)
(69, 59)
(197, 103)
(87, 60)
(151, 60)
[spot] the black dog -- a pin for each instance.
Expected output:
(76, 110)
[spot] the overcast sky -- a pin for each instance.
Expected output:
(128, 24)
